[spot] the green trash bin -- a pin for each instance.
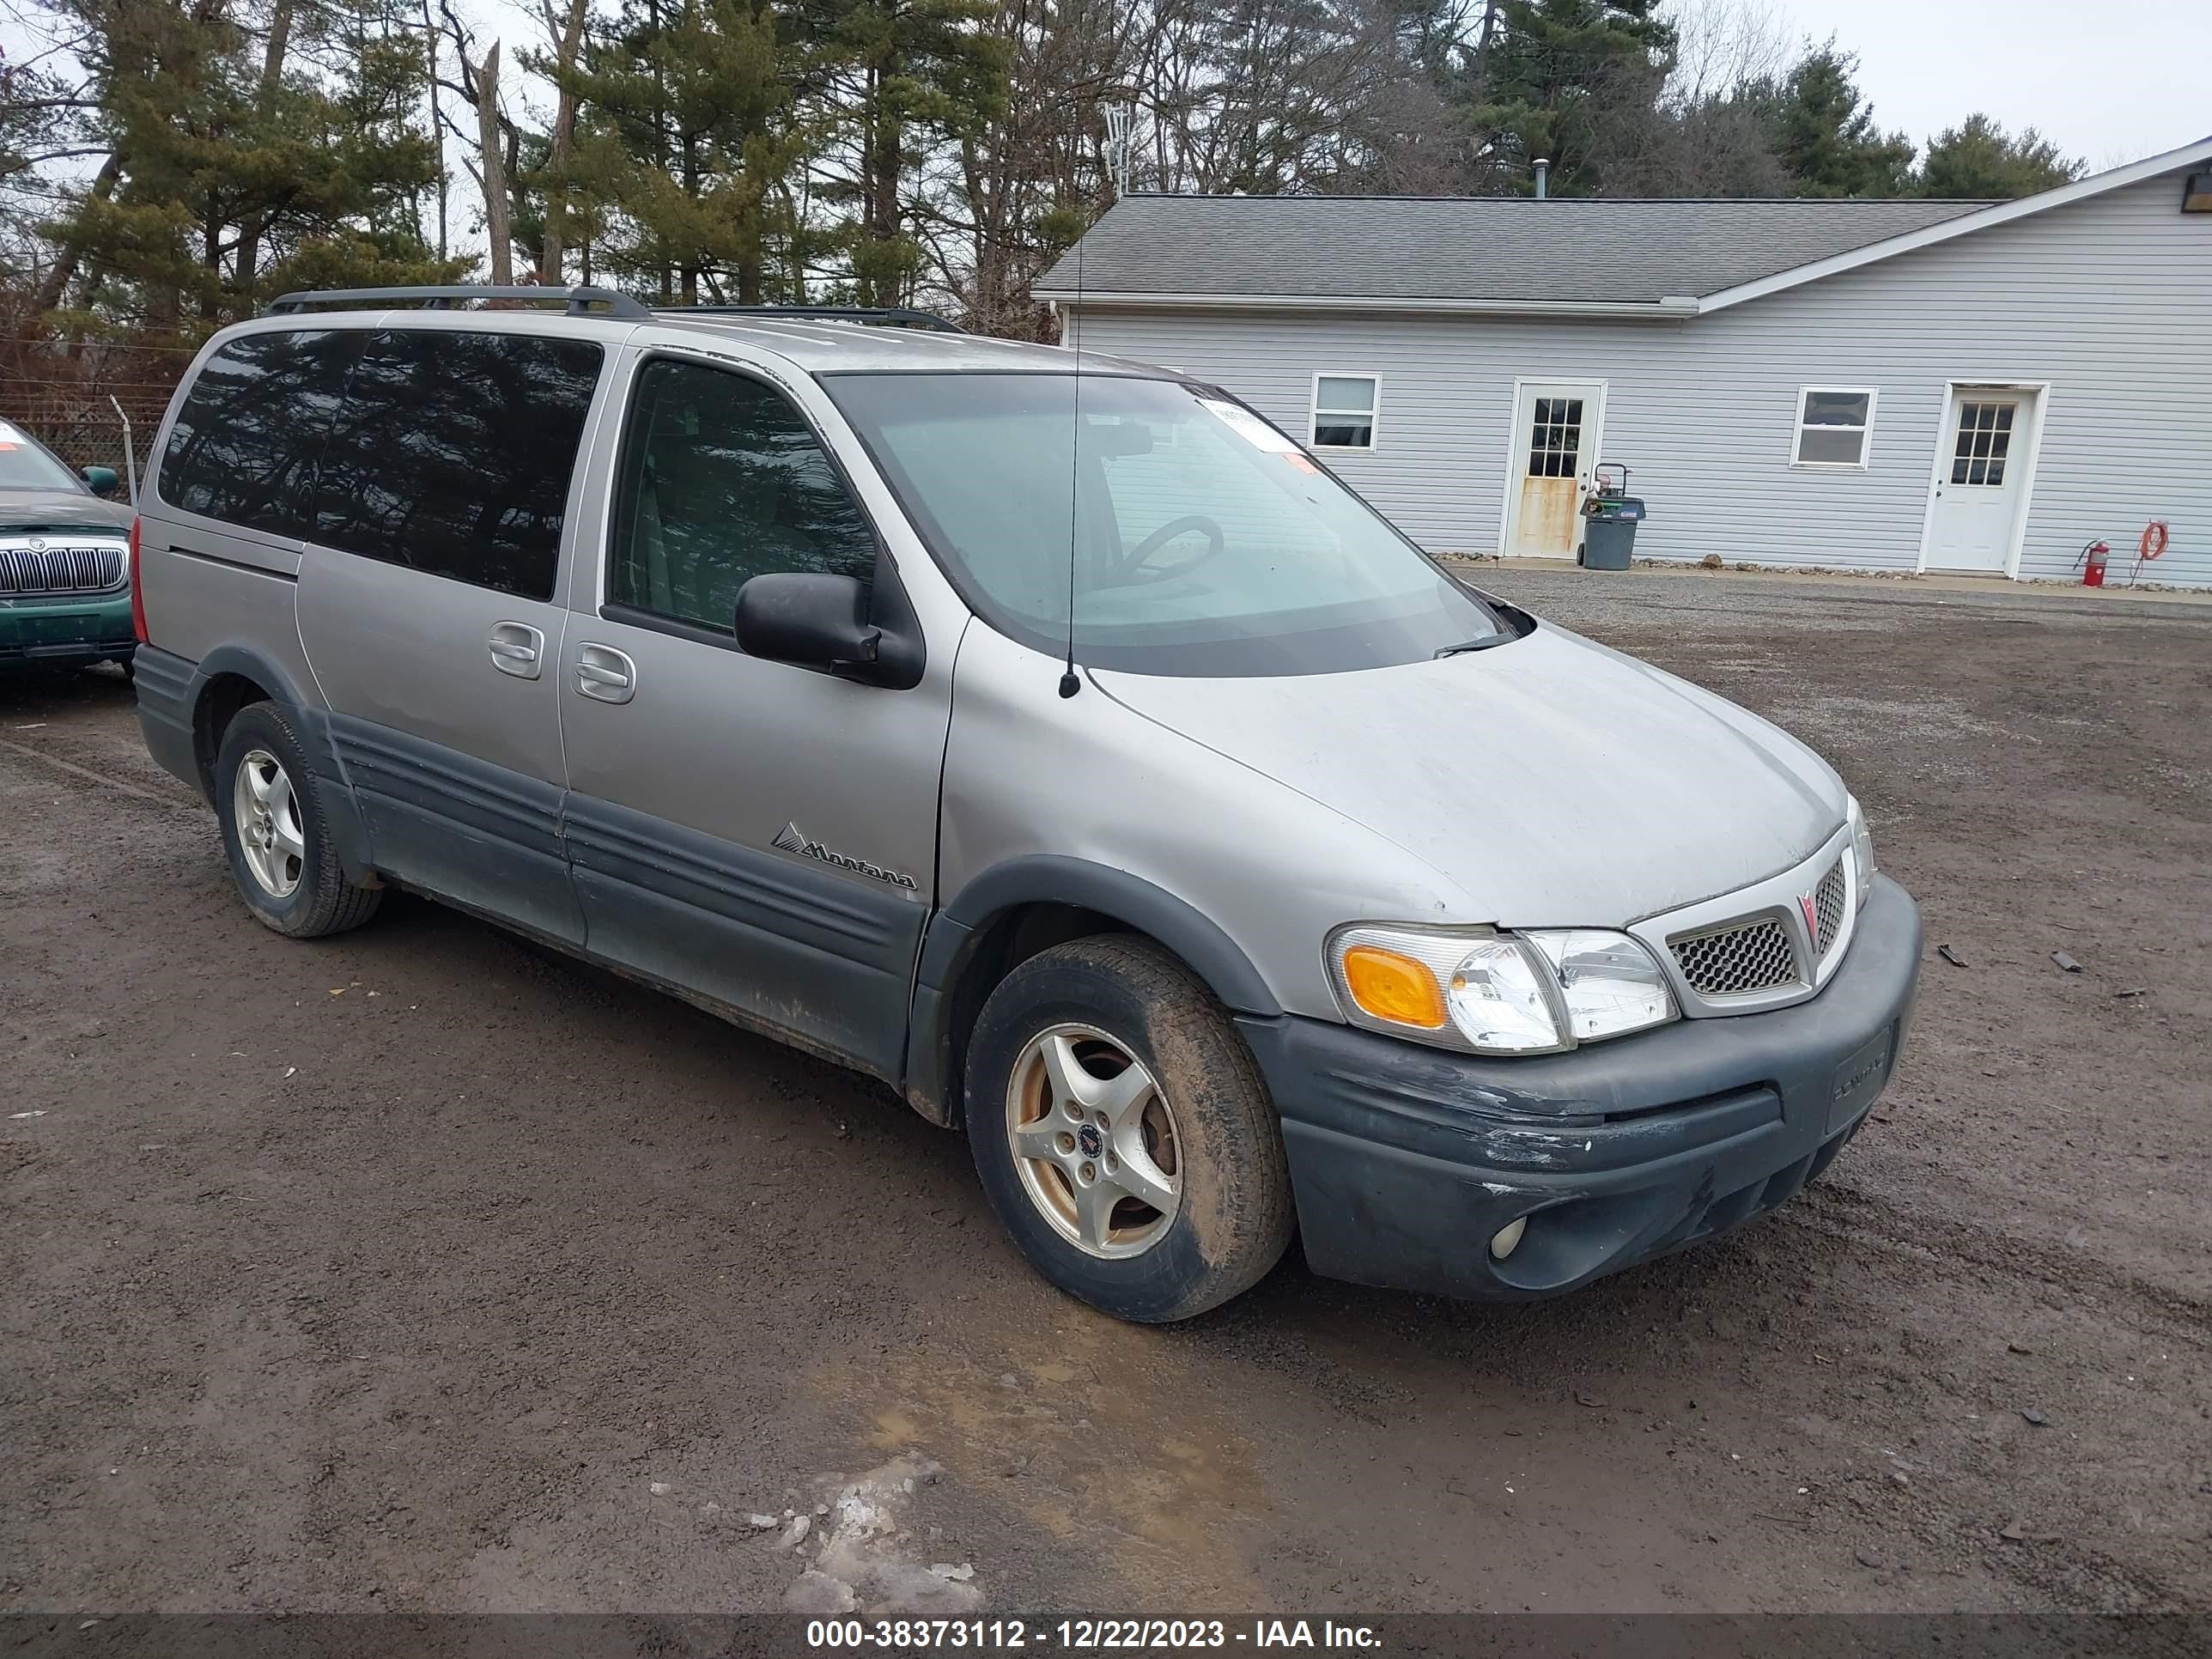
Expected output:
(1609, 522)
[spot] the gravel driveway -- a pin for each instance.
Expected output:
(418, 1269)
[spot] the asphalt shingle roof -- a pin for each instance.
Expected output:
(1566, 249)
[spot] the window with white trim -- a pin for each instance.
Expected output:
(1344, 409)
(1834, 424)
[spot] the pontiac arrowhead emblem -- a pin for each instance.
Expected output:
(1812, 917)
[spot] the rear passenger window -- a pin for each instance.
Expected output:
(722, 480)
(452, 452)
(245, 443)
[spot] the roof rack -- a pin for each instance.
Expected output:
(875, 316)
(580, 302)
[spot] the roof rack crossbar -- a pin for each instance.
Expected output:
(880, 316)
(580, 302)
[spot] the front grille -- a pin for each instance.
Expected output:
(84, 568)
(1736, 960)
(1828, 908)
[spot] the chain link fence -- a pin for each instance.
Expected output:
(79, 400)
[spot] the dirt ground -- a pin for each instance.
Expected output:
(416, 1269)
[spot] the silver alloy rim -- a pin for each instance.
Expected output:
(268, 817)
(1095, 1141)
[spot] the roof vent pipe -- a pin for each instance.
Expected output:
(1543, 171)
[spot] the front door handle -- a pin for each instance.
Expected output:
(604, 674)
(517, 648)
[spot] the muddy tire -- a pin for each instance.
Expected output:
(274, 832)
(1123, 1132)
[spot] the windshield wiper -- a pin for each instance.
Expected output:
(1483, 644)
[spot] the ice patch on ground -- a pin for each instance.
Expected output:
(862, 1561)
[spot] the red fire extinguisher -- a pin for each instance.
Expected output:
(2093, 563)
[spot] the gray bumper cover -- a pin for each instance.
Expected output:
(1405, 1160)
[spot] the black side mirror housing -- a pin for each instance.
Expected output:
(815, 620)
(101, 481)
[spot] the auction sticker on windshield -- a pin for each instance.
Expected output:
(1249, 427)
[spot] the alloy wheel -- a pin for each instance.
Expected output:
(1094, 1140)
(267, 813)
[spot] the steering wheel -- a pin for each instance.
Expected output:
(1133, 562)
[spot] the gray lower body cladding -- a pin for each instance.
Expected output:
(168, 690)
(1407, 1161)
(778, 946)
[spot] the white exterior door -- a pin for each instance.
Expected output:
(1979, 479)
(1556, 428)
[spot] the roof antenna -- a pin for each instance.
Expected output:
(1069, 684)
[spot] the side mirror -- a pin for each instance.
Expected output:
(102, 480)
(818, 621)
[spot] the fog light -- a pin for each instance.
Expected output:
(1506, 1239)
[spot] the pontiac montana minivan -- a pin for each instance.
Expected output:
(1050, 739)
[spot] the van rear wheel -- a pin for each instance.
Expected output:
(1123, 1132)
(270, 804)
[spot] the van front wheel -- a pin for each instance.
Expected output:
(1123, 1132)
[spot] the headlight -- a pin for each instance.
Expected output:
(1607, 982)
(1498, 993)
(1861, 851)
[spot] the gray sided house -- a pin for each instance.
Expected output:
(1894, 386)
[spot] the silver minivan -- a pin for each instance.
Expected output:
(1051, 739)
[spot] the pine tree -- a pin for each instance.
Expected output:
(1977, 160)
(241, 169)
(689, 120)
(1825, 135)
(1542, 73)
(901, 75)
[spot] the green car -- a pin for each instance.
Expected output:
(65, 560)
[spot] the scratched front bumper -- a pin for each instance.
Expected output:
(1405, 1160)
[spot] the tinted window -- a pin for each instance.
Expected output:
(452, 452)
(245, 444)
(722, 480)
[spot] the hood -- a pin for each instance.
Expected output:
(1556, 781)
(60, 509)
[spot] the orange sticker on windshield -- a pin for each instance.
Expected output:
(1304, 463)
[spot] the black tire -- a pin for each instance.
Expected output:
(1234, 1219)
(323, 900)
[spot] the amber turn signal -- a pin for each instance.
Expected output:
(1394, 987)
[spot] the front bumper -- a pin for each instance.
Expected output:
(57, 632)
(1407, 1160)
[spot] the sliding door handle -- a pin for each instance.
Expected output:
(517, 648)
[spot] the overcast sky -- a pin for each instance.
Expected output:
(2108, 81)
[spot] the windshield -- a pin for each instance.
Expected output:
(25, 466)
(1204, 542)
